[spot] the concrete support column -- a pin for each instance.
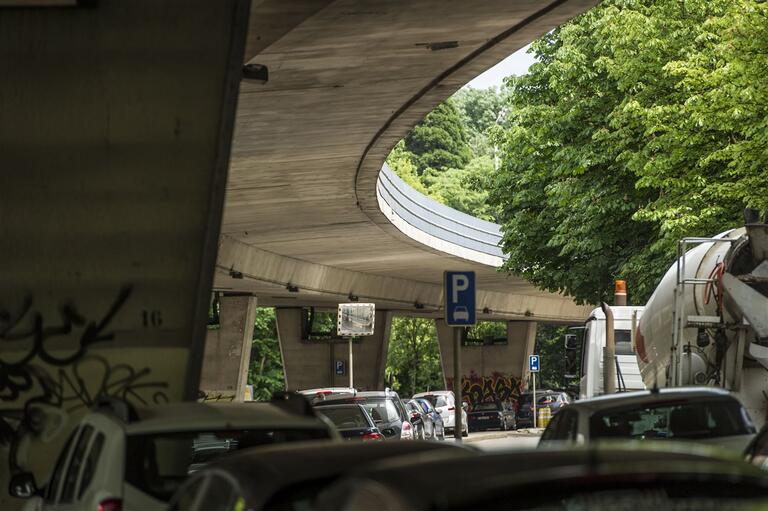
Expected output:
(311, 364)
(521, 334)
(228, 349)
(490, 371)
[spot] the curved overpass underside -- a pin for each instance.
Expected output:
(347, 80)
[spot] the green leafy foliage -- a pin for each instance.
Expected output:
(413, 358)
(439, 141)
(642, 122)
(266, 369)
(551, 351)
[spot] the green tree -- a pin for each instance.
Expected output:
(413, 358)
(266, 368)
(641, 123)
(480, 109)
(463, 189)
(551, 349)
(439, 141)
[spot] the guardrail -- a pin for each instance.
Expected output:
(438, 220)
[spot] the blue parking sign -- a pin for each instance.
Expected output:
(534, 363)
(340, 368)
(459, 291)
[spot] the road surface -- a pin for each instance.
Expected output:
(503, 440)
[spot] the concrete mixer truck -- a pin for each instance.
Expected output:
(707, 321)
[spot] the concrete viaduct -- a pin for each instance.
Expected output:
(139, 172)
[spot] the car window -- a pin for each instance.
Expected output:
(184, 499)
(568, 425)
(73, 471)
(552, 429)
(219, 494)
(346, 417)
(91, 461)
(486, 407)
(436, 401)
(58, 471)
(379, 408)
(682, 419)
(158, 463)
(758, 452)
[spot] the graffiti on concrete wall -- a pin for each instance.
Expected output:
(476, 389)
(41, 383)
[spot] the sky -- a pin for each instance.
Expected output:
(516, 64)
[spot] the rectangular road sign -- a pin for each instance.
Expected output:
(534, 363)
(459, 292)
(339, 367)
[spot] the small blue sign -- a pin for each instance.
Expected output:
(340, 367)
(534, 363)
(459, 291)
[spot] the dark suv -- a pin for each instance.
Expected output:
(384, 407)
(552, 399)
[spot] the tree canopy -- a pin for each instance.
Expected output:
(642, 122)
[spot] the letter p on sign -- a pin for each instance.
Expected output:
(460, 283)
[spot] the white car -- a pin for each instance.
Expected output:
(691, 414)
(445, 404)
(119, 459)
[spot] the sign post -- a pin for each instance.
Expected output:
(459, 293)
(353, 320)
(534, 364)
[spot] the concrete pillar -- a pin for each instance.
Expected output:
(311, 364)
(228, 350)
(499, 371)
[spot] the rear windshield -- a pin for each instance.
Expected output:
(437, 401)
(158, 463)
(486, 407)
(345, 418)
(688, 420)
(379, 408)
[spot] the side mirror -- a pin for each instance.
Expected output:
(23, 486)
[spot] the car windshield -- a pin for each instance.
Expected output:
(486, 407)
(158, 463)
(682, 419)
(345, 417)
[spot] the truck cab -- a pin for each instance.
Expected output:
(584, 352)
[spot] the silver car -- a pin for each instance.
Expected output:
(699, 414)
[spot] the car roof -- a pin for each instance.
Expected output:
(433, 393)
(265, 471)
(642, 397)
(337, 398)
(193, 416)
(414, 482)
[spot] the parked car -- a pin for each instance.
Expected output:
(119, 458)
(552, 399)
(384, 407)
(415, 414)
(290, 477)
(643, 477)
(701, 414)
(437, 419)
(352, 421)
(445, 404)
(495, 415)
